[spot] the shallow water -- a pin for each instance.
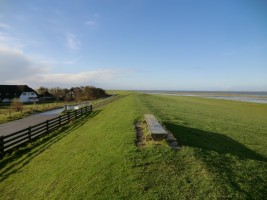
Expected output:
(243, 99)
(253, 97)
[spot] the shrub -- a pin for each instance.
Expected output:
(16, 105)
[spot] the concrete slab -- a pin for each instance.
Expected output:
(155, 128)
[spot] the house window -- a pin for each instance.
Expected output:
(24, 93)
(32, 93)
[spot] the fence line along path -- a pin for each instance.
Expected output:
(10, 141)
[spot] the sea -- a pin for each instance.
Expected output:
(244, 96)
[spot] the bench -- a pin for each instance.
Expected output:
(156, 130)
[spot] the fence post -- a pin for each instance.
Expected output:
(65, 108)
(30, 133)
(68, 116)
(91, 107)
(47, 126)
(59, 119)
(2, 152)
(75, 114)
(81, 111)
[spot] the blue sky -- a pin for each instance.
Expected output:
(135, 44)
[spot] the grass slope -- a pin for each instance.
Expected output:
(223, 155)
(228, 138)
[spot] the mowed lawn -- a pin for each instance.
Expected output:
(223, 154)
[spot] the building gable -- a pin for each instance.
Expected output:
(14, 91)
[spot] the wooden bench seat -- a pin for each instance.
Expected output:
(156, 130)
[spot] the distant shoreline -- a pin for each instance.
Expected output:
(253, 97)
(260, 93)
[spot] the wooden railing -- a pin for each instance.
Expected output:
(8, 142)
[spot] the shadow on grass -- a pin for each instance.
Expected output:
(22, 156)
(247, 179)
(212, 141)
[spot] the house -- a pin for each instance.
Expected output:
(22, 92)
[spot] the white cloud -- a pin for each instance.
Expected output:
(18, 68)
(6, 40)
(95, 76)
(73, 42)
(90, 23)
(14, 64)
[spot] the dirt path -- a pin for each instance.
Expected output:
(13, 126)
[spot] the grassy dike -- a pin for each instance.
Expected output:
(223, 155)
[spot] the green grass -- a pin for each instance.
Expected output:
(223, 154)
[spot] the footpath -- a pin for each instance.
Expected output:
(14, 126)
(17, 125)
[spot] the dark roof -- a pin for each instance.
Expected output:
(46, 94)
(13, 91)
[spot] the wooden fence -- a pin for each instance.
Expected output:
(13, 140)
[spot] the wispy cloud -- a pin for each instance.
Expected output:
(53, 62)
(4, 26)
(88, 77)
(73, 42)
(71, 62)
(12, 41)
(16, 65)
(90, 22)
(245, 49)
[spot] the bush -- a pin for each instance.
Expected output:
(16, 105)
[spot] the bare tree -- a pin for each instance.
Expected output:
(42, 90)
(57, 92)
(82, 93)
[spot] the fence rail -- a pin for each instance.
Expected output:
(8, 142)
